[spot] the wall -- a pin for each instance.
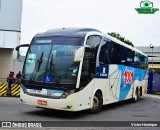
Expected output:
(17, 66)
(10, 23)
(10, 30)
(10, 14)
(5, 62)
(9, 39)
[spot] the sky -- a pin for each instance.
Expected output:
(105, 15)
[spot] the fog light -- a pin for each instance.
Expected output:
(69, 107)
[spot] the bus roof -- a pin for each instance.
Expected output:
(81, 32)
(75, 32)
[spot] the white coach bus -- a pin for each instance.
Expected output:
(75, 69)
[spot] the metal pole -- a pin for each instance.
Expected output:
(151, 46)
(152, 59)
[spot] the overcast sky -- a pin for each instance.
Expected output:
(106, 15)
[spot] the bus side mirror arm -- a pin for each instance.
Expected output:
(19, 57)
(23, 45)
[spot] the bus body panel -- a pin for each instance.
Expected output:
(124, 80)
(85, 97)
(99, 85)
(113, 90)
(68, 104)
(115, 81)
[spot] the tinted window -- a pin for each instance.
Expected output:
(110, 53)
(103, 53)
(127, 56)
(113, 53)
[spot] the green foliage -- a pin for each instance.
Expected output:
(119, 37)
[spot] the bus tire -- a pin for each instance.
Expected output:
(136, 97)
(97, 103)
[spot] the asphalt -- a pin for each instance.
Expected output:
(146, 109)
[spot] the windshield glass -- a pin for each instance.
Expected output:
(63, 64)
(36, 60)
(64, 60)
(54, 61)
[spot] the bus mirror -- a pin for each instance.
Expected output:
(23, 45)
(20, 57)
(78, 54)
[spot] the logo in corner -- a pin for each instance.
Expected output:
(146, 7)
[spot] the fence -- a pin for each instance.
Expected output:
(15, 90)
(153, 82)
(156, 82)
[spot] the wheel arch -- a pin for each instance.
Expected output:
(95, 91)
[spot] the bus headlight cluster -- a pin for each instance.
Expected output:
(67, 93)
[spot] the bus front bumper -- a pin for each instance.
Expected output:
(67, 104)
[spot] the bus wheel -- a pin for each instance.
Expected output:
(97, 103)
(135, 99)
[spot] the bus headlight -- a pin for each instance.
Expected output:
(67, 93)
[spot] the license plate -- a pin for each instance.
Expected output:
(42, 102)
(34, 91)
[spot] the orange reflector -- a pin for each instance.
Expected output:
(42, 102)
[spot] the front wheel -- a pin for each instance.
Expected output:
(97, 103)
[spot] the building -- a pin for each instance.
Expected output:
(10, 34)
(153, 56)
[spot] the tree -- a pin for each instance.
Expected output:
(119, 37)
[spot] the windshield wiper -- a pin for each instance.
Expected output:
(40, 62)
(51, 63)
(36, 68)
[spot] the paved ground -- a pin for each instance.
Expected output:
(146, 109)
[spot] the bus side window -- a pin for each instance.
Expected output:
(103, 54)
(143, 61)
(110, 53)
(116, 58)
(127, 57)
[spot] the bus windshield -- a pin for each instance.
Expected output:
(54, 61)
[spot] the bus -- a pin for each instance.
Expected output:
(74, 69)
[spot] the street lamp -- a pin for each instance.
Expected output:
(151, 46)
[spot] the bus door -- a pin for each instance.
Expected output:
(88, 70)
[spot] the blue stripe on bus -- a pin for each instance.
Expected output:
(129, 75)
